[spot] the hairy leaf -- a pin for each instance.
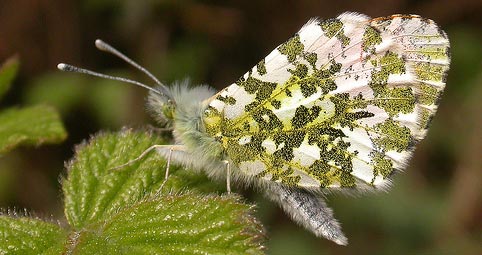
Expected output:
(23, 235)
(118, 208)
(96, 186)
(176, 224)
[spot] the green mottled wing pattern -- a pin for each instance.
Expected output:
(341, 104)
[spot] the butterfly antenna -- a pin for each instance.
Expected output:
(74, 69)
(103, 46)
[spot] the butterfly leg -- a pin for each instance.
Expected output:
(159, 148)
(228, 176)
(143, 154)
(308, 210)
(168, 164)
(168, 149)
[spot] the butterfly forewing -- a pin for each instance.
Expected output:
(340, 104)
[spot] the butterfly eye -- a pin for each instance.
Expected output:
(168, 110)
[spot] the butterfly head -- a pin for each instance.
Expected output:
(162, 107)
(178, 101)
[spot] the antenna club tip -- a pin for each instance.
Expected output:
(100, 44)
(61, 66)
(67, 68)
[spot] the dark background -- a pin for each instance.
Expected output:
(435, 207)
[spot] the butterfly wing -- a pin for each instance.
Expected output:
(340, 104)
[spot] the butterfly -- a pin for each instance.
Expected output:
(339, 107)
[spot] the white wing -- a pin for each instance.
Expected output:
(341, 104)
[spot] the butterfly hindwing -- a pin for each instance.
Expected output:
(340, 104)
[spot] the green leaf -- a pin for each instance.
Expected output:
(94, 190)
(32, 125)
(121, 210)
(177, 224)
(24, 235)
(8, 71)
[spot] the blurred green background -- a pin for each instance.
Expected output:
(435, 207)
